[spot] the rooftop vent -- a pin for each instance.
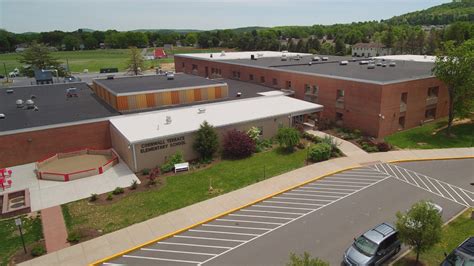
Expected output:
(170, 76)
(168, 120)
(19, 103)
(316, 58)
(210, 56)
(252, 57)
(363, 62)
(35, 108)
(238, 94)
(9, 91)
(392, 64)
(201, 110)
(71, 92)
(379, 63)
(283, 57)
(2, 116)
(344, 63)
(32, 96)
(30, 104)
(110, 77)
(384, 65)
(370, 66)
(310, 63)
(223, 53)
(325, 58)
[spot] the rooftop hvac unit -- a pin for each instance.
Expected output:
(298, 57)
(384, 65)
(252, 57)
(379, 63)
(310, 63)
(170, 76)
(325, 58)
(223, 53)
(9, 91)
(238, 94)
(392, 64)
(363, 62)
(110, 77)
(343, 63)
(19, 103)
(2, 116)
(30, 104)
(32, 96)
(370, 66)
(201, 110)
(260, 55)
(168, 120)
(316, 58)
(283, 57)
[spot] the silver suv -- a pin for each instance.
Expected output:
(373, 247)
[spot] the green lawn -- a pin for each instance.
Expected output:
(453, 235)
(423, 138)
(10, 241)
(180, 191)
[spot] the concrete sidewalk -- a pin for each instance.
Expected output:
(127, 238)
(348, 148)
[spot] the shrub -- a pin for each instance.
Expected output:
(93, 197)
(320, 152)
(263, 144)
(331, 141)
(357, 133)
(288, 137)
(38, 250)
(146, 171)
(117, 191)
(254, 133)
(384, 146)
(206, 142)
(171, 161)
(110, 196)
(153, 175)
(301, 145)
(73, 237)
(237, 144)
(369, 147)
(134, 185)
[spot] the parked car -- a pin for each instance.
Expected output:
(71, 79)
(374, 247)
(463, 255)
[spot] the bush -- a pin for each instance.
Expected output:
(369, 147)
(206, 142)
(263, 144)
(134, 185)
(171, 161)
(118, 190)
(73, 237)
(288, 137)
(38, 250)
(238, 144)
(301, 145)
(153, 175)
(331, 141)
(320, 152)
(254, 133)
(93, 197)
(110, 196)
(146, 171)
(384, 146)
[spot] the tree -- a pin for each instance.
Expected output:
(388, 38)
(305, 260)
(71, 42)
(455, 67)
(340, 47)
(238, 144)
(39, 57)
(288, 137)
(135, 63)
(206, 142)
(90, 42)
(419, 227)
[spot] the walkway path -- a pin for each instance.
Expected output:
(54, 229)
(140, 233)
(348, 148)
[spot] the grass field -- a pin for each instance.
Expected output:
(453, 235)
(94, 60)
(10, 241)
(180, 191)
(423, 137)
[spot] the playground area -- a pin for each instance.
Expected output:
(77, 164)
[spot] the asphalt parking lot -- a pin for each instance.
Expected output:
(321, 217)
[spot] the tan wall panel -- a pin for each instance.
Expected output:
(204, 96)
(189, 95)
(141, 101)
(182, 97)
(166, 98)
(132, 102)
(211, 93)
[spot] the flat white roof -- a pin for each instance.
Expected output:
(147, 126)
(409, 57)
(239, 55)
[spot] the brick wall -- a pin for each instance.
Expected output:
(32, 146)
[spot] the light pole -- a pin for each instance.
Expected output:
(19, 223)
(6, 74)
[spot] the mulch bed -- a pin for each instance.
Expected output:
(20, 255)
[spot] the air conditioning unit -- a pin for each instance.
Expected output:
(344, 63)
(370, 66)
(392, 64)
(168, 120)
(325, 58)
(19, 103)
(2, 116)
(201, 110)
(170, 76)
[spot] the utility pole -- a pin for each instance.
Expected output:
(6, 74)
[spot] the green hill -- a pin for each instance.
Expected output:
(438, 15)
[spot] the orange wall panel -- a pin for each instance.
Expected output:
(218, 92)
(197, 95)
(150, 100)
(122, 103)
(174, 97)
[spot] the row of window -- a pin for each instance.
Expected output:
(432, 92)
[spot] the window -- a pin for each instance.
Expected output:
(433, 92)
(195, 67)
(404, 97)
(430, 114)
(251, 77)
(401, 123)
(307, 89)
(182, 64)
(262, 79)
(238, 74)
(339, 117)
(315, 90)
(340, 95)
(288, 84)
(275, 82)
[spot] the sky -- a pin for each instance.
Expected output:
(69, 15)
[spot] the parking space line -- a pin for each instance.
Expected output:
(345, 182)
(177, 251)
(280, 197)
(221, 232)
(318, 187)
(278, 207)
(294, 203)
(375, 175)
(244, 221)
(420, 179)
(209, 238)
(162, 259)
(260, 216)
(440, 194)
(192, 245)
(437, 181)
(234, 226)
(464, 191)
(314, 195)
(348, 178)
(451, 187)
(336, 185)
(291, 213)
(326, 190)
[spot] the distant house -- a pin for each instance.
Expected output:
(20, 49)
(168, 47)
(160, 53)
(44, 77)
(370, 49)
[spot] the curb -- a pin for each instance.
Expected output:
(432, 159)
(98, 262)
